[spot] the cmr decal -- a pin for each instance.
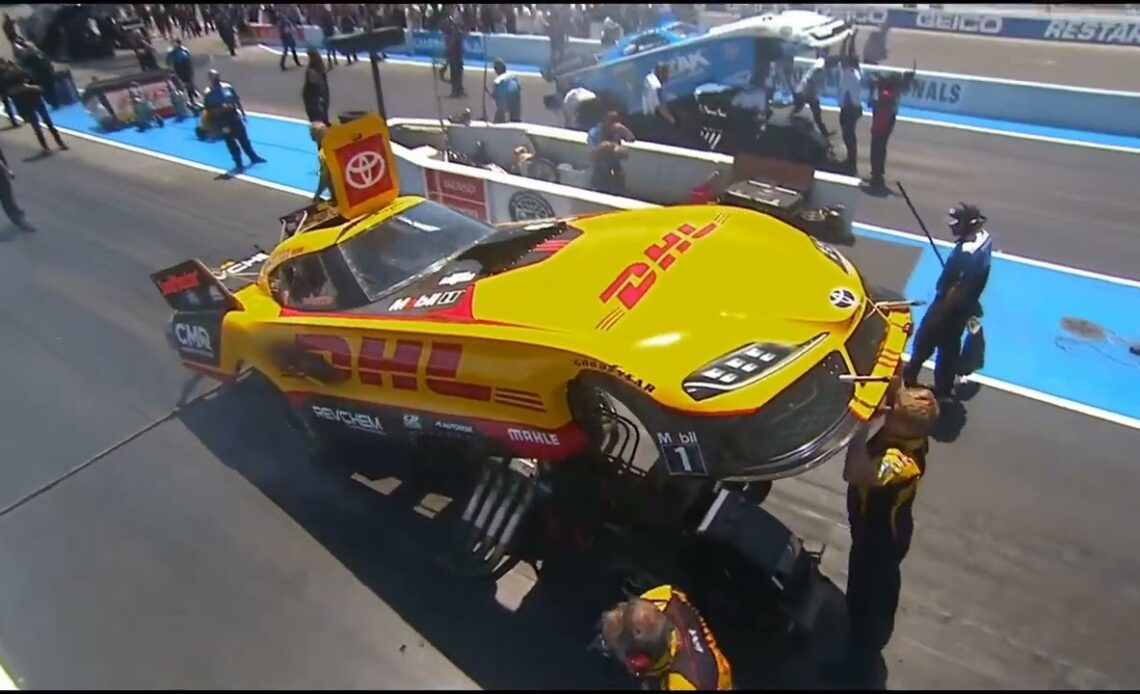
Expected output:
(194, 338)
(634, 282)
(401, 365)
(361, 165)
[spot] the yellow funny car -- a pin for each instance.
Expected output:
(689, 346)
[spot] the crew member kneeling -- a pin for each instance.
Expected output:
(664, 642)
(882, 476)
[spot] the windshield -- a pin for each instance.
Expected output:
(416, 241)
(686, 30)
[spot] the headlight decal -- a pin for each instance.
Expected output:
(743, 367)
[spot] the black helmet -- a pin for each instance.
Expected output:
(965, 219)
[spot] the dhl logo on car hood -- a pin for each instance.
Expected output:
(664, 276)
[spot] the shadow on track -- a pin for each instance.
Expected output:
(381, 539)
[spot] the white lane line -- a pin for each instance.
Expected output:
(1047, 139)
(1044, 264)
(1072, 406)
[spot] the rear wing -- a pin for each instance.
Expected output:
(319, 215)
(191, 287)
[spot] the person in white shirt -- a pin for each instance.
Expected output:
(850, 107)
(524, 20)
(810, 88)
(572, 107)
(611, 32)
(660, 125)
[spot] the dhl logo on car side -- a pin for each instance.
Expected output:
(399, 364)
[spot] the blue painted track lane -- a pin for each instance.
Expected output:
(1025, 344)
(1024, 303)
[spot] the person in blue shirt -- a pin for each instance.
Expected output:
(507, 93)
(223, 106)
(957, 299)
(179, 60)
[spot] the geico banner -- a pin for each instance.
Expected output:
(958, 22)
(861, 15)
(935, 93)
(431, 43)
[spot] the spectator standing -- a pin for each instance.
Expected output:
(224, 23)
(454, 38)
(287, 33)
(850, 107)
(611, 32)
(181, 63)
(28, 98)
(42, 72)
(556, 30)
(144, 52)
(10, 32)
(315, 92)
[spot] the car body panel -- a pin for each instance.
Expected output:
(647, 303)
(725, 54)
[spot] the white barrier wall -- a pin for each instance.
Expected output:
(1053, 105)
(655, 174)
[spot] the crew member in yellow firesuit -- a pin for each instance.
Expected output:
(663, 641)
(882, 475)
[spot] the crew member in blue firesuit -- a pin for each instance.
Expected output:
(957, 299)
(507, 94)
(882, 476)
(181, 63)
(227, 115)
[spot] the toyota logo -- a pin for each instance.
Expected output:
(364, 170)
(526, 205)
(842, 298)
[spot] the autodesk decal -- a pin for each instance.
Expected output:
(957, 23)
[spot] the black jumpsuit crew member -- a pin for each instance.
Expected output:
(454, 47)
(28, 98)
(227, 115)
(8, 196)
(315, 92)
(957, 300)
(882, 475)
(850, 107)
(287, 32)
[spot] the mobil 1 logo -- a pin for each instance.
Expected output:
(682, 453)
(196, 337)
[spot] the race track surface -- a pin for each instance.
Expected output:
(207, 551)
